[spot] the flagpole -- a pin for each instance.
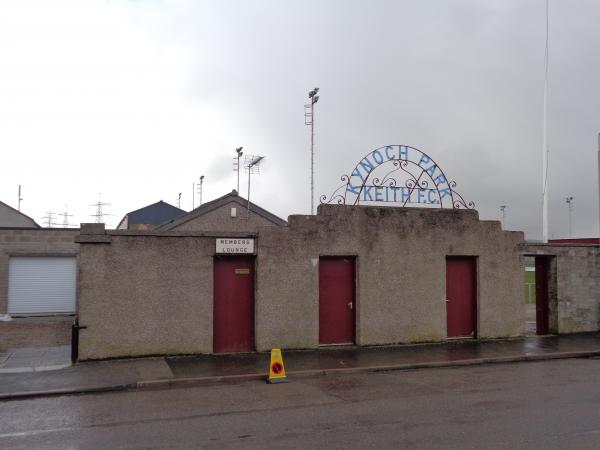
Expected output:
(545, 143)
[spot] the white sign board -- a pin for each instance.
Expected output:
(234, 246)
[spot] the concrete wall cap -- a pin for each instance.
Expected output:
(93, 228)
(93, 239)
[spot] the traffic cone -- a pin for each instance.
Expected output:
(276, 368)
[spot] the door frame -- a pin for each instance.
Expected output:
(354, 259)
(475, 260)
(251, 257)
(549, 262)
(542, 302)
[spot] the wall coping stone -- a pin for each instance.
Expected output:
(541, 245)
(208, 234)
(38, 229)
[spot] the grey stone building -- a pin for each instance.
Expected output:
(37, 266)
(38, 271)
(227, 213)
(11, 218)
(349, 275)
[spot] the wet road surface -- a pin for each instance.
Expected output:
(550, 405)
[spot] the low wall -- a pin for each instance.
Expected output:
(35, 332)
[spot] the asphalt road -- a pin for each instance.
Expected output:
(549, 405)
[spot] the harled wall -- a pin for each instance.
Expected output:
(401, 274)
(143, 293)
(148, 293)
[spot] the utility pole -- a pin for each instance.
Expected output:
(193, 192)
(309, 119)
(569, 201)
(179, 201)
(19, 202)
(237, 166)
(503, 211)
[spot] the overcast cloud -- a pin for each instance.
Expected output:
(136, 100)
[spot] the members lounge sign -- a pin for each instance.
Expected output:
(401, 175)
(235, 246)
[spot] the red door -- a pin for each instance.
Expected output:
(541, 295)
(461, 297)
(337, 303)
(233, 311)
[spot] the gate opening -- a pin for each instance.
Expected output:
(530, 325)
(540, 295)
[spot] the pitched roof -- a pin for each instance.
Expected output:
(217, 203)
(35, 224)
(153, 214)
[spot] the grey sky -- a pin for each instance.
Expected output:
(136, 100)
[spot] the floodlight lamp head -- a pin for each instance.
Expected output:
(201, 177)
(315, 90)
(239, 150)
(315, 99)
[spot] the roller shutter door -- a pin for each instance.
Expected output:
(41, 285)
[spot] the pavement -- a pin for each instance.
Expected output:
(35, 359)
(39, 380)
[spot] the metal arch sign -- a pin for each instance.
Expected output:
(401, 175)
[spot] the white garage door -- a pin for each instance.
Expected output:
(38, 285)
